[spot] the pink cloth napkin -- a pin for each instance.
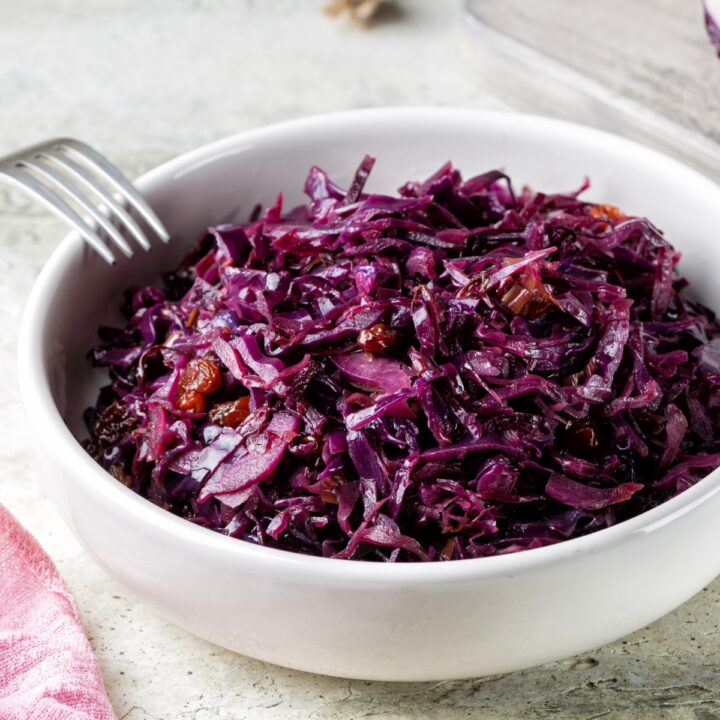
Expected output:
(47, 667)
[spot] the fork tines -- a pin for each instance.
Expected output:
(61, 172)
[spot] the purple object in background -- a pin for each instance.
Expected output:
(712, 22)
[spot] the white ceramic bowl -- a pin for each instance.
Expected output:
(360, 619)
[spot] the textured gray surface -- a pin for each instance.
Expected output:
(144, 81)
(645, 69)
(655, 52)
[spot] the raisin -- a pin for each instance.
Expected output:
(580, 437)
(200, 375)
(377, 339)
(191, 401)
(606, 212)
(299, 386)
(199, 378)
(113, 423)
(230, 414)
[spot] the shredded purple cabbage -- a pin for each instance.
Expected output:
(455, 372)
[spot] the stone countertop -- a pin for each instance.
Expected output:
(144, 81)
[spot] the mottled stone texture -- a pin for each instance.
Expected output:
(144, 81)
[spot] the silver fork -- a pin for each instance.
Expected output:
(59, 171)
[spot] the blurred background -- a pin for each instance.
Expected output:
(144, 79)
(644, 69)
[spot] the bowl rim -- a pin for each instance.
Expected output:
(41, 409)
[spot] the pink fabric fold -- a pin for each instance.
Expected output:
(47, 667)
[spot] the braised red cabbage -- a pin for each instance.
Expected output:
(457, 371)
